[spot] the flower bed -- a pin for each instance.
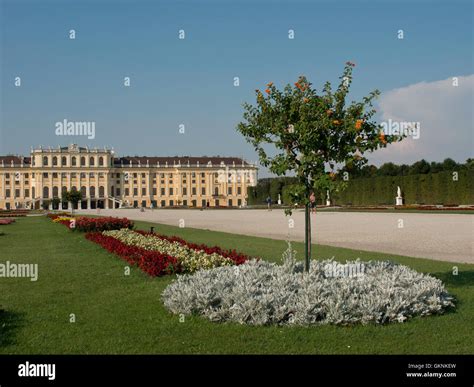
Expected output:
(191, 257)
(153, 263)
(87, 224)
(102, 224)
(263, 293)
(236, 257)
(6, 221)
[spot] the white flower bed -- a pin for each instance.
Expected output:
(262, 293)
(191, 259)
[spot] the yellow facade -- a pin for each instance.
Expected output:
(106, 181)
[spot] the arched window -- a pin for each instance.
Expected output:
(55, 192)
(216, 191)
(73, 188)
(45, 192)
(55, 161)
(92, 192)
(63, 161)
(63, 190)
(91, 161)
(45, 160)
(83, 192)
(101, 191)
(101, 161)
(73, 161)
(83, 161)
(33, 192)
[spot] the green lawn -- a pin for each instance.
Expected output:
(124, 314)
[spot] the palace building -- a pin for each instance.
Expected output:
(106, 181)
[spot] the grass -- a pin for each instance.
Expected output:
(118, 314)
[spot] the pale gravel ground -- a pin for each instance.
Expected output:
(443, 237)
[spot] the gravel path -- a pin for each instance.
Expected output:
(444, 237)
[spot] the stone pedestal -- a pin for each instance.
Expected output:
(399, 201)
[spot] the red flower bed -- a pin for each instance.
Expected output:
(6, 221)
(102, 224)
(151, 262)
(235, 256)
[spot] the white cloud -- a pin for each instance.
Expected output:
(445, 114)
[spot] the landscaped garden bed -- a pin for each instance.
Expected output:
(264, 293)
(155, 254)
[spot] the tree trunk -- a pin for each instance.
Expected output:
(307, 236)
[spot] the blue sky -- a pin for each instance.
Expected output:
(190, 81)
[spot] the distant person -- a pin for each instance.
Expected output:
(312, 202)
(207, 204)
(269, 203)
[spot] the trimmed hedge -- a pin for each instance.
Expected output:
(430, 188)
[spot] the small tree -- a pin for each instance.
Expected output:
(72, 196)
(55, 202)
(314, 134)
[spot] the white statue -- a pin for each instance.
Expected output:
(399, 199)
(328, 199)
(279, 200)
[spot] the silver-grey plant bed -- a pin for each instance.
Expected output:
(263, 293)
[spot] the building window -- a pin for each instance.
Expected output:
(55, 192)
(55, 175)
(154, 191)
(55, 161)
(127, 191)
(7, 193)
(229, 190)
(45, 161)
(171, 191)
(230, 203)
(27, 193)
(163, 203)
(143, 191)
(143, 203)
(45, 192)
(117, 191)
(203, 174)
(135, 191)
(239, 202)
(135, 175)
(92, 192)
(203, 190)
(101, 191)
(45, 175)
(101, 161)
(143, 175)
(171, 203)
(185, 191)
(216, 191)
(239, 190)
(83, 161)
(63, 161)
(73, 161)
(185, 202)
(83, 175)
(194, 191)
(17, 193)
(91, 161)
(163, 192)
